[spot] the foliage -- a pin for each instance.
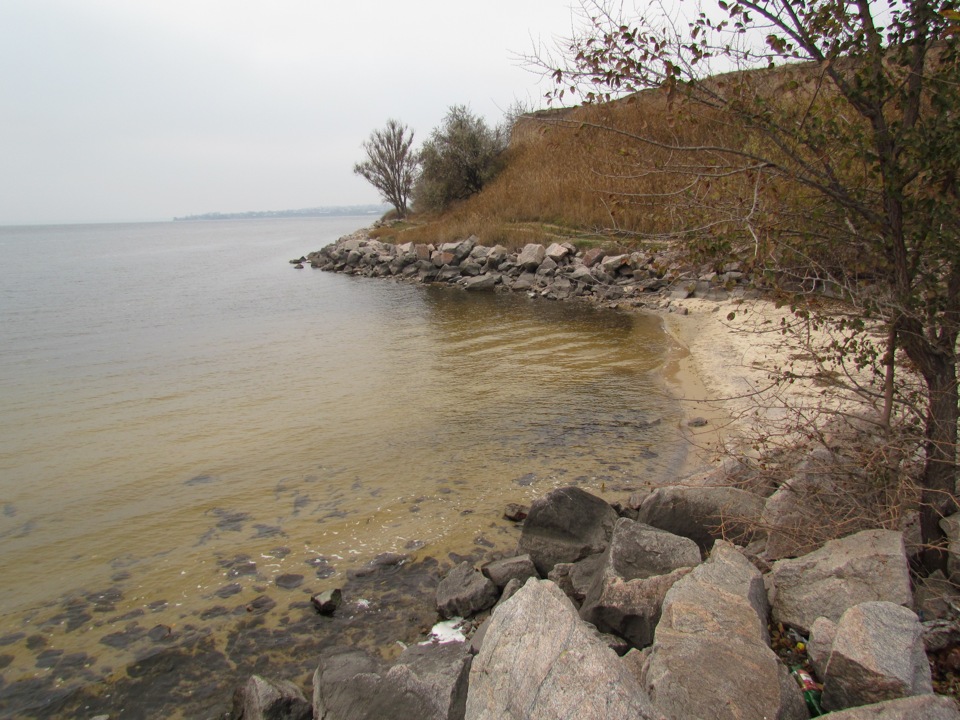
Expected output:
(458, 160)
(836, 152)
(391, 164)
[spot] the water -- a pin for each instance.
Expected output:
(178, 403)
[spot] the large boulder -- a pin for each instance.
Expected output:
(638, 550)
(919, 707)
(710, 657)
(566, 525)
(427, 682)
(628, 608)
(640, 565)
(464, 592)
(877, 655)
(262, 699)
(869, 565)
(540, 661)
(704, 514)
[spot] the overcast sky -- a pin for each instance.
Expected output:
(127, 110)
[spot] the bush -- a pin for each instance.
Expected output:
(459, 158)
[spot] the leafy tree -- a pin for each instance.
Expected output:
(461, 156)
(391, 164)
(853, 141)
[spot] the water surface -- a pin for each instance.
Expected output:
(183, 412)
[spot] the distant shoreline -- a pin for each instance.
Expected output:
(339, 211)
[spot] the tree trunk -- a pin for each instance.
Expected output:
(940, 470)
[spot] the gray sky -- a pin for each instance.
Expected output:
(125, 110)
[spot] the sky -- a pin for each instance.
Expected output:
(143, 110)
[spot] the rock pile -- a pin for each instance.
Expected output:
(604, 615)
(557, 272)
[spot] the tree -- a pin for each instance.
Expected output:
(855, 138)
(391, 164)
(461, 156)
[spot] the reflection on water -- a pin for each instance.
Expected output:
(189, 448)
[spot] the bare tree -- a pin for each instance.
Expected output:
(852, 140)
(391, 164)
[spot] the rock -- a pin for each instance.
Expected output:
(877, 655)
(503, 571)
(592, 256)
(639, 566)
(820, 643)
(515, 512)
(628, 608)
(557, 252)
(510, 589)
(582, 275)
(261, 699)
(480, 282)
(427, 681)
(637, 550)
(289, 581)
(710, 658)
(458, 250)
(951, 527)
(566, 525)
(531, 256)
(539, 661)
(327, 602)
(704, 514)
(697, 422)
(495, 257)
(935, 597)
(869, 565)
(919, 707)
(576, 579)
(526, 281)
(465, 592)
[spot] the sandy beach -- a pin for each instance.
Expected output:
(724, 373)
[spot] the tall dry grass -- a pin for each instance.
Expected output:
(585, 175)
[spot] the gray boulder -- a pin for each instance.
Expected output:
(465, 592)
(638, 551)
(557, 252)
(639, 566)
(262, 699)
(427, 681)
(459, 251)
(820, 643)
(704, 514)
(576, 579)
(919, 707)
(539, 661)
(531, 256)
(566, 525)
(628, 608)
(869, 565)
(503, 571)
(480, 282)
(710, 658)
(877, 655)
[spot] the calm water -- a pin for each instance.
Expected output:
(175, 395)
